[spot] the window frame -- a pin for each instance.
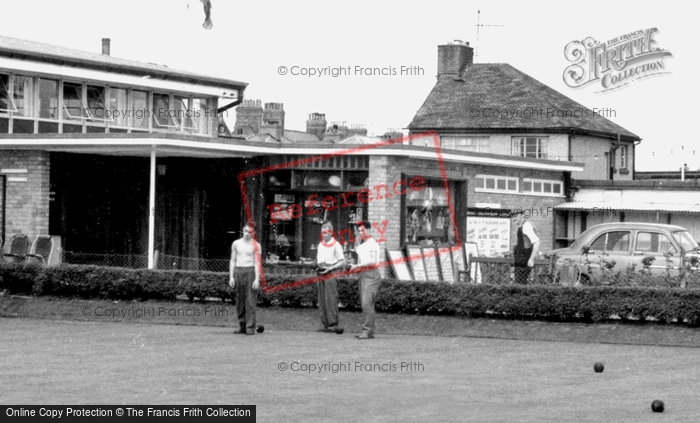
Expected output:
(542, 182)
(624, 157)
(24, 109)
(659, 243)
(8, 92)
(606, 234)
(495, 188)
(519, 146)
(481, 143)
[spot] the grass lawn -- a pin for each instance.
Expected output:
(54, 354)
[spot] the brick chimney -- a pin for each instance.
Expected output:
(392, 133)
(249, 117)
(273, 120)
(105, 46)
(453, 58)
(357, 129)
(316, 124)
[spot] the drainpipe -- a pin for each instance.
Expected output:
(228, 106)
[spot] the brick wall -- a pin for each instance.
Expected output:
(387, 170)
(27, 192)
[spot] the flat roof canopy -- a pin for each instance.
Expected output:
(177, 145)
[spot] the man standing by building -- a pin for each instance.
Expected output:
(329, 258)
(367, 259)
(245, 279)
(526, 248)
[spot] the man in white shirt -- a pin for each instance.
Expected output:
(526, 248)
(370, 279)
(244, 277)
(329, 258)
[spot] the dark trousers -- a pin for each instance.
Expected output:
(328, 302)
(246, 297)
(522, 275)
(369, 286)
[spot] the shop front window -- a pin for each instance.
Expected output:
(427, 215)
(298, 202)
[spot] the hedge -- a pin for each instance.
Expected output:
(543, 302)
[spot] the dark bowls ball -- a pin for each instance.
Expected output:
(657, 406)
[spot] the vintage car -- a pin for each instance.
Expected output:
(616, 247)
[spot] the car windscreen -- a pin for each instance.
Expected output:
(685, 240)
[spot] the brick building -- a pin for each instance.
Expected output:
(86, 138)
(495, 110)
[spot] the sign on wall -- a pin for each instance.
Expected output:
(490, 234)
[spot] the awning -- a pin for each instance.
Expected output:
(602, 206)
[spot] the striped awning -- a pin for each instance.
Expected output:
(627, 206)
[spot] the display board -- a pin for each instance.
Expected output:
(472, 250)
(458, 258)
(431, 264)
(415, 260)
(446, 264)
(398, 265)
(491, 234)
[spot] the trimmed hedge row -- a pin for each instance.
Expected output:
(543, 302)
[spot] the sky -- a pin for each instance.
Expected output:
(251, 40)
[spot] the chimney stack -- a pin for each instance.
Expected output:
(392, 133)
(453, 58)
(105, 46)
(316, 124)
(273, 120)
(357, 129)
(249, 117)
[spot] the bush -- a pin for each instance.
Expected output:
(545, 302)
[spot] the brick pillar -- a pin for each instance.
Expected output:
(384, 170)
(27, 192)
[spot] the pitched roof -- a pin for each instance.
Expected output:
(477, 100)
(14, 47)
(300, 136)
(263, 137)
(360, 139)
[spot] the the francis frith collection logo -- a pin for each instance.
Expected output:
(615, 63)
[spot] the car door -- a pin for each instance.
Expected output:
(610, 251)
(656, 245)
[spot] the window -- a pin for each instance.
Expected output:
(48, 99)
(612, 241)
(139, 104)
(535, 147)
(96, 104)
(427, 214)
(5, 98)
(43, 105)
(623, 157)
(182, 114)
(23, 95)
(686, 240)
(475, 144)
(163, 114)
(118, 107)
(543, 187)
(72, 101)
(200, 115)
(485, 183)
(649, 242)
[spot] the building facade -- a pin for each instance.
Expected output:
(85, 138)
(498, 110)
